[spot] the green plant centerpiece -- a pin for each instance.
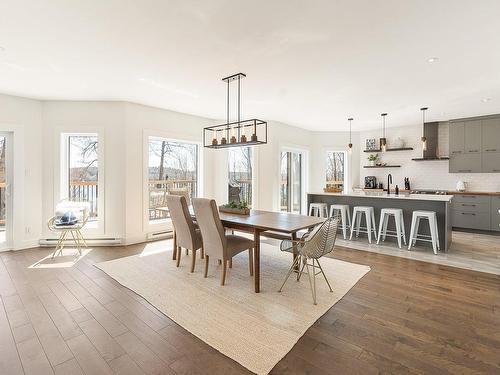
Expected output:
(372, 159)
(233, 207)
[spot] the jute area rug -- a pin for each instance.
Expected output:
(256, 330)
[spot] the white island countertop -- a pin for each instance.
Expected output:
(414, 197)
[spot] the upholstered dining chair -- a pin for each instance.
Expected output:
(310, 248)
(216, 243)
(188, 236)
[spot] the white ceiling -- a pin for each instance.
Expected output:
(309, 63)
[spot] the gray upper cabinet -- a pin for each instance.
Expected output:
(465, 163)
(457, 138)
(491, 135)
(491, 162)
(472, 136)
(475, 145)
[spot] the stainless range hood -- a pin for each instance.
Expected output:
(431, 133)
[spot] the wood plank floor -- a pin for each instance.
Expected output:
(403, 317)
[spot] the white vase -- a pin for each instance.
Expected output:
(372, 163)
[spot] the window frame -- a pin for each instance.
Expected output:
(165, 225)
(253, 180)
(96, 227)
(346, 166)
(304, 180)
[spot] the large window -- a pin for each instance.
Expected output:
(82, 170)
(335, 170)
(240, 174)
(172, 169)
(291, 181)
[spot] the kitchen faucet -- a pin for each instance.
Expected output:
(389, 182)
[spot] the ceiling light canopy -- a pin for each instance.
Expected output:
(433, 59)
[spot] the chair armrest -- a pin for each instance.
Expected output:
(290, 245)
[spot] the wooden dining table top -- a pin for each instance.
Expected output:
(269, 220)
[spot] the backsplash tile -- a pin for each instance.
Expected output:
(423, 174)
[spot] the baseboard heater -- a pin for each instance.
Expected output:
(160, 235)
(51, 242)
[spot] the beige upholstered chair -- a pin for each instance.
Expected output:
(216, 243)
(188, 236)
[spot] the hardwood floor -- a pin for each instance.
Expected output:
(404, 316)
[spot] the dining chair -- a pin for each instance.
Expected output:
(309, 249)
(218, 244)
(187, 235)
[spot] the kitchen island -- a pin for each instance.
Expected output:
(408, 202)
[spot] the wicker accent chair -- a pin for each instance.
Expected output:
(309, 249)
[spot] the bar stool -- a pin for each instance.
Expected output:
(433, 226)
(345, 216)
(385, 214)
(371, 224)
(318, 209)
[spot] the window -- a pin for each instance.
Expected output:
(240, 174)
(291, 181)
(335, 170)
(172, 169)
(81, 174)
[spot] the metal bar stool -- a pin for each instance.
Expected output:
(345, 216)
(385, 214)
(433, 226)
(371, 224)
(318, 209)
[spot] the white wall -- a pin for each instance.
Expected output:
(123, 128)
(23, 118)
(423, 174)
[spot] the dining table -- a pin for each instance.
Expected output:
(265, 223)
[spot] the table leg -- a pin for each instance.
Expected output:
(294, 238)
(256, 260)
(174, 252)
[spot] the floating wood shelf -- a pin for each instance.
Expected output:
(392, 149)
(435, 158)
(381, 166)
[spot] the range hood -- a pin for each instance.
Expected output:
(431, 133)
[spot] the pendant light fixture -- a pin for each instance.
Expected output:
(349, 149)
(234, 134)
(383, 140)
(423, 139)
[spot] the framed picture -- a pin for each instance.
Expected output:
(371, 144)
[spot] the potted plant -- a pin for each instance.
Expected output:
(372, 159)
(235, 208)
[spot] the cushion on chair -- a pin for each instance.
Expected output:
(237, 244)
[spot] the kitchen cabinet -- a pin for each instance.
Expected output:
(491, 162)
(471, 212)
(474, 145)
(491, 135)
(465, 163)
(457, 138)
(472, 136)
(495, 214)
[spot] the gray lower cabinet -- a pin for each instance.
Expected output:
(471, 212)
(495, 214)
(491, 162)
(465, 163)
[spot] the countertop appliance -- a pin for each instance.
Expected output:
(460, 186)
(370, 182)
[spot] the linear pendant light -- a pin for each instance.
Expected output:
(349, 147)
(383, 140)
(424, 138)
(238, 133)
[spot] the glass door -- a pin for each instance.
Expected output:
(5, 192)
(291, 182)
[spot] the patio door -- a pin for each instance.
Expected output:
(5, 191)
(291, 186)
